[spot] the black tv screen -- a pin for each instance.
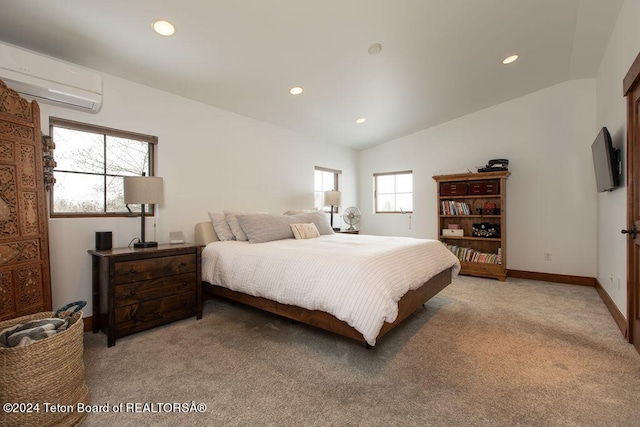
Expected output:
(605, 162)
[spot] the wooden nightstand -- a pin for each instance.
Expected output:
(138, 289)
(350, 231)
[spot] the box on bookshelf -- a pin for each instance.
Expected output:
(452, 232)
(485, 229)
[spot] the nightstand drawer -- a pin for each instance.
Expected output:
(144, 269)
(132, 293)
(148, 314)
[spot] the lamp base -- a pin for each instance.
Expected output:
(145, 245)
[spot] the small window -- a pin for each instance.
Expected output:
(91, 163)
(325, 180)
(394, 192)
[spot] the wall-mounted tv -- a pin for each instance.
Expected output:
(606, 162)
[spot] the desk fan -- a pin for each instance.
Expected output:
(351, 216)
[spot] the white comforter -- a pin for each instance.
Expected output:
(358, 279)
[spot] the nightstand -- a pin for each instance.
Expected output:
(350, 231)
(138, 289)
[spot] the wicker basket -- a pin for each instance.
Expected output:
(50, 370)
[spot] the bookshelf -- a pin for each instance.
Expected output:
(472, 221)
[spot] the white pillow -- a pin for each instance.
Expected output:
(304, 231)
(221, 226)
(318, 218)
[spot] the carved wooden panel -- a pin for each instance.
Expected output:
(14, 129)
(26, 250)
(28, 165)
(24, 242)
(13, 104)
(29, 213)
(7, 301)
(8, 202)
(28, 287)
(6, 150)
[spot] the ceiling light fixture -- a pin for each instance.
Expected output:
(510, 59)
(374, 49)
(164, 28)
(296, 90)
(361, 120)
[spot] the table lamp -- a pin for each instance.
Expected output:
(332, 198)
(143, 190)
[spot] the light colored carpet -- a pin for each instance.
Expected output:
(482, 353)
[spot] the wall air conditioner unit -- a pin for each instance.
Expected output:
(45, 79)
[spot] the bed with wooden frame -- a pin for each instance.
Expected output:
(410, 302)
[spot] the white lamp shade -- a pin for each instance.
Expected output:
(332, 198)
(139, 190)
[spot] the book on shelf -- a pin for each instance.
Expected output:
(471, 255)
(451, 207)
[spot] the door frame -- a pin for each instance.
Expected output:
(630, 84)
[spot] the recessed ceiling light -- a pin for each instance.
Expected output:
(374, 49)
(361, 120)
(510, 59)
(164, 28)
(296, 90)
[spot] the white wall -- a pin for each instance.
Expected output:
(622, 50)
(551, 193)
(210, 159)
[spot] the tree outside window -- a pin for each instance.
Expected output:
(91, 163)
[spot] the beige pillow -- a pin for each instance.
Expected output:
(305, 231)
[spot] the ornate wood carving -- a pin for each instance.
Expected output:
(24, 242)
(28, 164)
(8, 195)
(7, 304)
(13, 104)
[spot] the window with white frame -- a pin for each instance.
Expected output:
(325, 180)
(91, 163)
(393, 192)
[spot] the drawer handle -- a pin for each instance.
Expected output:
(132, 293)
(149, 318)
(133, 271)
(183, 264)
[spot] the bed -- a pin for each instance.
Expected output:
(358, 286)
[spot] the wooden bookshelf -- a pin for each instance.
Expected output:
(475, 198)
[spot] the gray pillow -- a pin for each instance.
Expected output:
(318, 218)
(260, 228)
(232, 220)
(220, 226)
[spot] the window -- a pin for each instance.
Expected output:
(325, 180)
(394, 192)
(91, 162)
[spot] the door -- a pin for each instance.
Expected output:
(631, 85)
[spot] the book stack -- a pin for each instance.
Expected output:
(450, 207)
(471, 255)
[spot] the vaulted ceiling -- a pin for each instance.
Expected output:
(440, 59)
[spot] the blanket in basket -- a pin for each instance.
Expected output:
(24, 334)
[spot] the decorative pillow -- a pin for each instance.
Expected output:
(221, 227)
(304, 231)
(232, 220)
(318, 218)
(260, 228)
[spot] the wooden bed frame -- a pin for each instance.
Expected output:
(406, 306)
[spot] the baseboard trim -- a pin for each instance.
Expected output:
(618, 317)
(554, 278)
